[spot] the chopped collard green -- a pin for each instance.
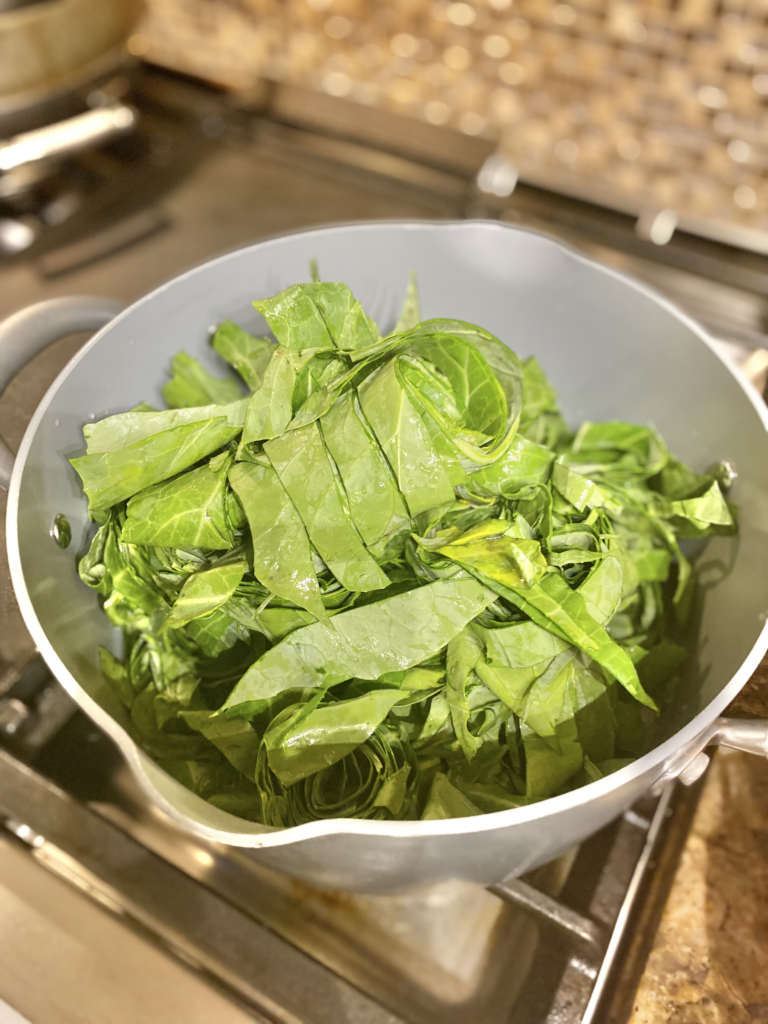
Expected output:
(380, 577)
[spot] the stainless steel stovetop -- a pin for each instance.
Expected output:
(204, 173)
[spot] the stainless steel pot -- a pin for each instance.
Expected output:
(612, 348)
(50, 48)
(52, 53)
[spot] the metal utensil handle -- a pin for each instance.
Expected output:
(747, 734)
(29, 331)
(69, 136)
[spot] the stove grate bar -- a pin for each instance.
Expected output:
(521, 894)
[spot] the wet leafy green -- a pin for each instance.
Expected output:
(270, 409)
(282, 560)
(409, 628)
(405, 442)
(376, 506)
(188, 511)
(192, 385)
(111, 477)
(300, 460)
(390, 583)
(204, 592)
(117, 432)
(248, 355)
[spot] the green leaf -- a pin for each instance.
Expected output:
(505, 365)
(464, 652)
(410, 627)
(554, 606)
(481, 400)
(117, 432)
(282, 560)
(318, 315)
(235, 738)
(523, 464)
(117, 676)
(591, 706)
(300, 745)
(215, 633)
(581, 492)
(602, 591)
(410, 314)
(248, 355)
(111, 477)
(192, 385)
(445, 801)
(91, 568)
(189, 511)
(549, 764)
(123, 563)
(274, 623)
(521, 645)
(300, 460)
(160, 743)
(540, 396)
(544, 709)
(270, 409)
(375, 503)
(405, 442)
(490, 549)
(660, 664)
(203, 592)
(709, 508)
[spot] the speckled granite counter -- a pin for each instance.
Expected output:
(709, 962)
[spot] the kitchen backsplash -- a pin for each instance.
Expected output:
(658, 107)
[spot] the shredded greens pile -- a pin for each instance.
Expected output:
(389, 582)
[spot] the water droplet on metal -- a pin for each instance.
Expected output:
(61, 531)
(57, 423)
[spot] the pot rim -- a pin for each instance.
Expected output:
(653, 764)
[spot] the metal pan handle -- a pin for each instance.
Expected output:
(29, 331)
(747, 734)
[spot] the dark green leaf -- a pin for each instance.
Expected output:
(282, 560)
(301, 461)
(375, 503)
(410, 627)
(405, 442)
(301, 745)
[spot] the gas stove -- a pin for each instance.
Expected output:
(202, 172)
(565, 944)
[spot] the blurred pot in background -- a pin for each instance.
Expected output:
(50, 50)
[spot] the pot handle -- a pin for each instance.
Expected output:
(747, 734)
(24, 334)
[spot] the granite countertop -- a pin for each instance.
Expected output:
(709, 961)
